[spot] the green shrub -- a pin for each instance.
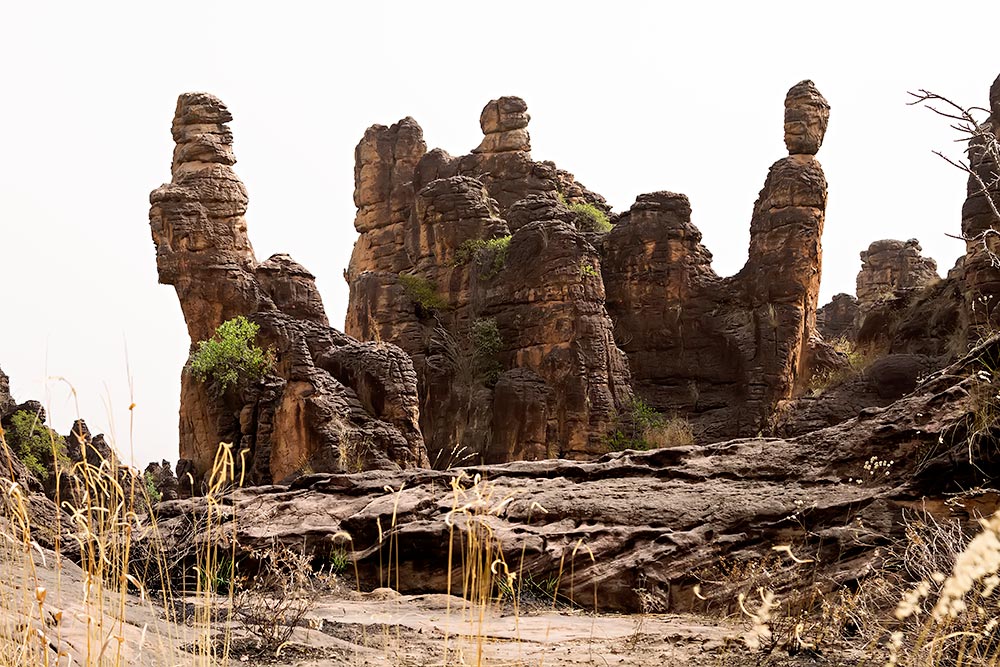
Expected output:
(423, 293)
(230, 357)
(587, 269)
(491, 252)
(152, 492)
(486, 346)
(639, 426)
(33, 443)
(589, 218)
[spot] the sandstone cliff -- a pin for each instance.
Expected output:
(331, 402)
(477, 268)
(449, 244)
(724, 351)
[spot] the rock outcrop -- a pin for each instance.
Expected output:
(889, 267)
(723, 352)
(639, 524)
(6, 401)
(473, 265)
(838, 319)
(331, 402)
(981, 218)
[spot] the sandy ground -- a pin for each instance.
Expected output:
(383, 628)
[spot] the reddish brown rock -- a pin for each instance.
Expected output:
(838, 319)
(889, 267)
(724, 352)
(981, 219)
(331, 402)
(477, 271)
(639, 524)
(6, 401)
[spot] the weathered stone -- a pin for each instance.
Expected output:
(441, 268)
(724, 352)
(6, 400)
(162, 480)
(504, 122)
(330, 403)
(644, 523)
(838, 319)
(806, 116)
(981, 219)
(889, 267)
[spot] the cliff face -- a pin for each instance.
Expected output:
(475, 267)
(331, 402)
(450, 246)
(980, 273)
(724, 351)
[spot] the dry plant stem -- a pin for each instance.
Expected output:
(981, 138)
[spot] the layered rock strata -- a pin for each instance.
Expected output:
(330, 402)
(723, 352)
(889, 267)
(473, 265)
(6, 401)
(980, 272)
(838, 319)
(639, 526)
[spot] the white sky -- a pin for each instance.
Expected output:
(631, 97)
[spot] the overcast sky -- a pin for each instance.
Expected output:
(631, 97)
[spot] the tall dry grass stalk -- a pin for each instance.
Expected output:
(52, 614)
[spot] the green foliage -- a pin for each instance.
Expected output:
(151, 491)
(338, 561)
(589, 218)
(33, 443)
(230, 356)
(587, 269)
(423, 293)
(639, 426)
(486, 346)
(492, 253)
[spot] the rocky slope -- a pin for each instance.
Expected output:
(331, 402)
(637, 526)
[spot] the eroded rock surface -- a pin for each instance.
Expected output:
(474, 266)
(889, 267)
(331, 402)
(647, 523)
(723, 352)
(838, 319)
(6, 401)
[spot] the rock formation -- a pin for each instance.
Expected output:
(639, 524)
(331, 402)
(724, 351)
(981, 219)
(6, 401)
(889, 267)
(838, 319)
(473, 266)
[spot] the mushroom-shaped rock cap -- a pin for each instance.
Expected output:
(806, 116)
(503, 115)
(201, 133)
(504, 122)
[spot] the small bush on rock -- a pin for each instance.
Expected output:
(639, 426)
(230, 357)
(34, 443)
(423, 293)
(589, 218)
